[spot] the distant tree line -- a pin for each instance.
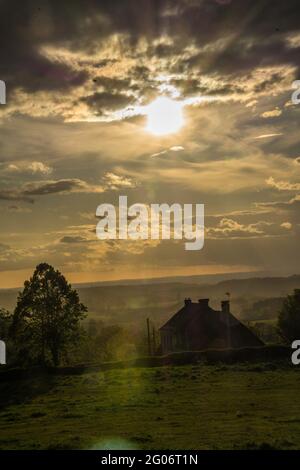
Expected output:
(289, 318)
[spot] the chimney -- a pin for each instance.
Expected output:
(187, 301)
(225, 306)
(203, 302)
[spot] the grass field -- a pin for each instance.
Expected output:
(185, 407)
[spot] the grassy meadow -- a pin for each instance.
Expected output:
(240, 406)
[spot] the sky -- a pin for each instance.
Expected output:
(81, 80)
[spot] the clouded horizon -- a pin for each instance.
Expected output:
(80, 77)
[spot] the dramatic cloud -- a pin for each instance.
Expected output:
(229, 228)
(283, 185)
(286, 225)
(111, 181)
(79, 82)
(73, 239)
(27, 167)
(100, 58)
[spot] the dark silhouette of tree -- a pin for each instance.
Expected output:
(5, 323)
(289, 317)
(47, 316)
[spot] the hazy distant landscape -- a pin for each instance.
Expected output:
(252, 299)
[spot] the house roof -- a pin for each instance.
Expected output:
(192, 310)
(195, 315)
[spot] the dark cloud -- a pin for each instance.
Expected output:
(193, 86)
(73, 239)
(241, 57)
(106, 101)
(14, 195)
(3, 247)
(26, 27)
(112, 84)
(52, 187)
(267, 84)
(43, 188)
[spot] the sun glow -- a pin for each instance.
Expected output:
(164, 116)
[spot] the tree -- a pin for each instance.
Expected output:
(289, 317)
(5, 323)
(47, 316)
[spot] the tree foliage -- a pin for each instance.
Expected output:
(289, 317)
(5, 324)
(47, 316)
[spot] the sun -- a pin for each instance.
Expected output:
(164, 116)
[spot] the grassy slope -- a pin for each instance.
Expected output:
(187, 407)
